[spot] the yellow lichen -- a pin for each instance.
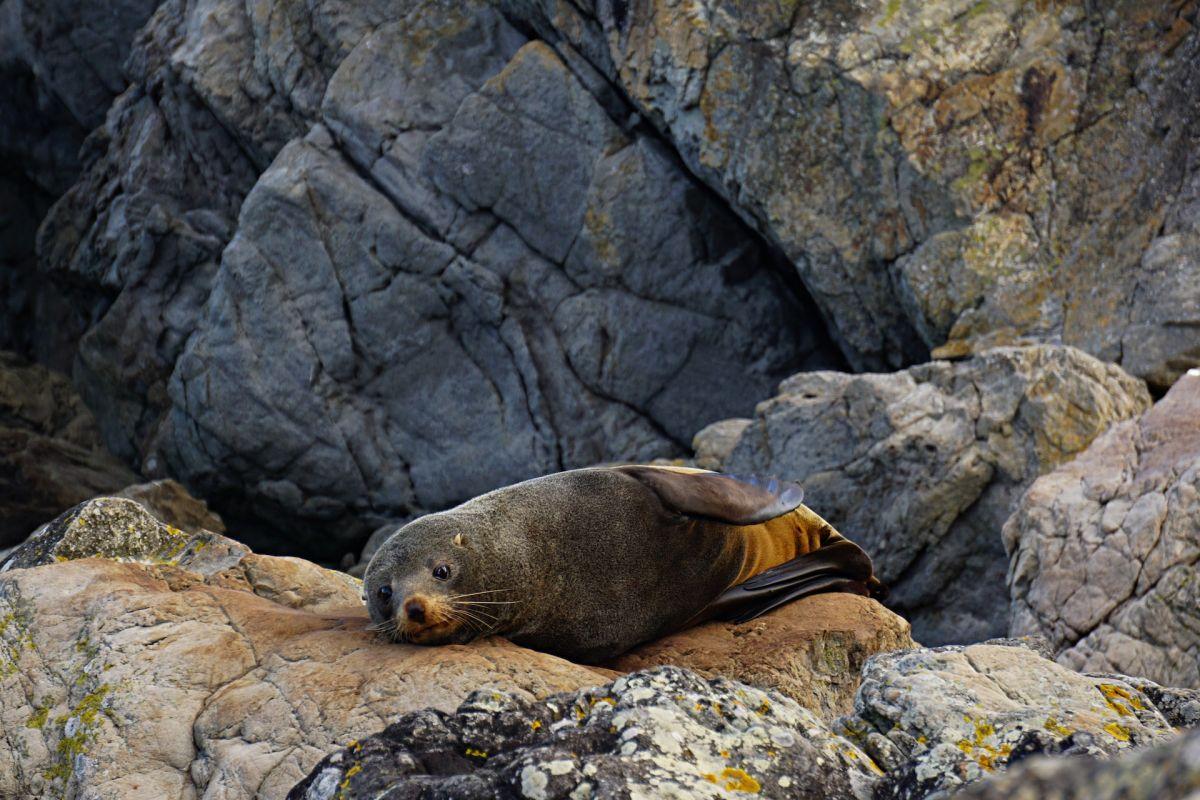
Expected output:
(1052, 725)
(1118, 731)
(474, 753)
(1120, 699)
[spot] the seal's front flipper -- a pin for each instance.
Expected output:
(840, 566)
(735, 500)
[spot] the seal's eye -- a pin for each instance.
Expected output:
(385, 593)
(442, 572)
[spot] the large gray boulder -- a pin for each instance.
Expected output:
(941, 174)
(464, 262)
(1105, 550)
(922, 467)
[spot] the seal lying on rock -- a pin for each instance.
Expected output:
(587, 563)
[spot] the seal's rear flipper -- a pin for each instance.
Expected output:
(840, 566)
(732, 499)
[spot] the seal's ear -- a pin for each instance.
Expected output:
(731, 499)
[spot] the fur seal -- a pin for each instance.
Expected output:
(587, 563)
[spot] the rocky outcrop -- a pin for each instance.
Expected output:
(811, 650)
(1168, 771)
(922, 467)
(662, 733)
(926, 723)
(480, 243)
(192, 666)
(942, 718)
(954, 174)
(51, 456)
(1105, 557)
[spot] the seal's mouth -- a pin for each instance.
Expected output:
(425, 620)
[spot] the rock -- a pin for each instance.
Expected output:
(1104, 550)
(458, 307)
(1168, 771)
(60, 68)
(923, 466)
(51, 456)
(181, 673)
(956, 175)
(811, 650)
(938, 719)
(121, 529)
(170, 502)
(659, 733)
(482, 243)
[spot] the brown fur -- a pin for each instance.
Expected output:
(584, 564)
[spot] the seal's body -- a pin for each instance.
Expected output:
(590, 562)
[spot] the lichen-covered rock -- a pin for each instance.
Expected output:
(922, 467)
(941, 718)
(811, 650)
(1169, 771)
(123, 680)
(970, 172)
(51, 456)
(124, 530)
(1105, 551)
(659, 733)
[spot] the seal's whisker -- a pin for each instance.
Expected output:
(473, 594)
(477, 617)
(493, 602)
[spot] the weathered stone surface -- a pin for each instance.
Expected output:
(231, 679)
(487, 260)
(1105, 551)
(922, 467)
(938, 719)
(1168, 771)
(812, 650)
(431, 302)
(51, 456)
(660, 733)
(955, 174)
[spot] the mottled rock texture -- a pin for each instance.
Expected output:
(1106, 550)
(926, 723)
(938, 719)
(1168, 771)
(51, 456)
(955, 174)
(196, 668)
(922, 467)
(661, 733)
(811, 650)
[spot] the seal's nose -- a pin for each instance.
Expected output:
(414, 610)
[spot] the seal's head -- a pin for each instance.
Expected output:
(426, 585)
